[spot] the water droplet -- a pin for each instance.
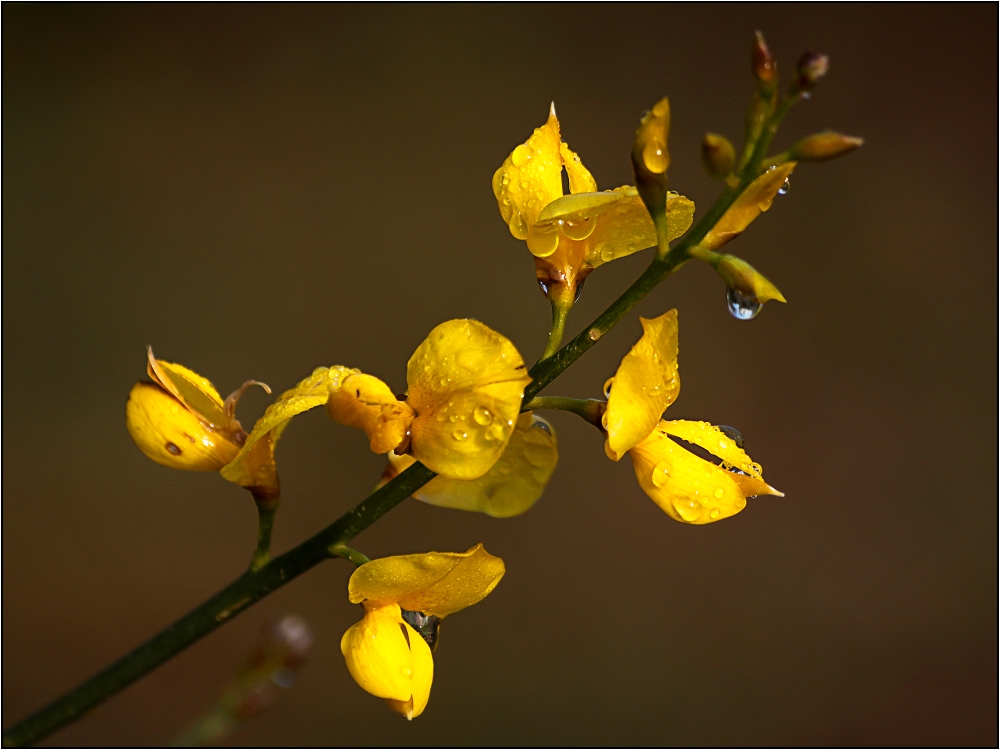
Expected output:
(594, 334)
(655, 156)
(718, 493)
(460, 435)
(784, 188)
(661, 472)
(518, 226)
(544, 286)
(521, 155)
(733, 433)
(482, 415)
(689, 510)
(742, 306)
(579, 229)
(714, 513)
(453, 417)
(607, 387)
(607, 253)
(543, 243)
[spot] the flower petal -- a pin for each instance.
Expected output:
(171, 434)
(646, 383)
(751, 203)
(580, 179)
(378, 655)
(465, 386)
(688, 488)
(530, 178)
(366, 402)
(514, 483)
(191, 389)
(435, 583)
(254, 465)
(423, 676)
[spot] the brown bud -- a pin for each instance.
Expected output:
(763, 64)
(717, 155)
(810, 69)
(823, 146)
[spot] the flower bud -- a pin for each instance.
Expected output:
(823, 146)
(748, 289)
(810, 69)
(717, 155)
(650, 159)
(763, 64)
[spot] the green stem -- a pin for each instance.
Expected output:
(265, 525)
(560, 313)
(256, 584)
(590, 409)
(351, 555)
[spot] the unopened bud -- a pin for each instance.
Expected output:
(748, 288)
(650, 158)
(823, 146)
(717, 155)
(810, 69)
(763, 64)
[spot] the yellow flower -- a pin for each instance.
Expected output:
(511, 486)
(465, 387)
(572, 235)
(180, 420)
(388, 652)
(751, 203)
(687, 487)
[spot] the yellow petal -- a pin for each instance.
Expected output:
(646, 383)
(423, 676)
(435, 583)
(580, 179)
(511, 486)
(715, 441)
(191, 389)
(465, 386)
(530, 178)
(744, 278)
(366, 402)
(753, 201)
(170, 434)
(378, 655)
(688, 488)
(254, 465)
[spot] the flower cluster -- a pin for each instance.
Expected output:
(464, 414)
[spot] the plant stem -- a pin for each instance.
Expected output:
(256, 584)
(590, 409)
(560, 313)
(265, 525)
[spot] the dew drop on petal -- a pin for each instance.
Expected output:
(661, 472)
(607, 387)
(460, 435)
(714, 513)
(784, 187)
(482, 415)
(579, 229)
(718, 493)
(521, 155)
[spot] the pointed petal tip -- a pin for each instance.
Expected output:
(552, 109)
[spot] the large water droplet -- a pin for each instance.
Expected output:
(579, 229)
(655, 156)
(735, 434)
(742, 306)
(714, 513)
(690, 510)
(607, 387)
(518, 226)
(784, 187)
(543, 243)
(460, 435)
(718, 493)
(661, 472)
(607, 253)
(521, 155)
(482, 415)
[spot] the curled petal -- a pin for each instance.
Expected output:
(580, 179)
(530, 178)
(365, 402)
(195, 392)
(511, 486)
(378, 654)
(171, 434)
(465, 387)
(751, 203)
(646, 383)
(688, 488)
(423, 676)
(253, 466)
(715, 441)
(435, 583)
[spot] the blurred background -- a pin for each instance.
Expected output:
(260, 190)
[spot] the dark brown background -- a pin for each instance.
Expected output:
(257, 191)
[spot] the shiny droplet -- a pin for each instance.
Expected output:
(607, 253)
(544, 287)
(784, 188)
(521, 155)
(742, 306)
(579, 229)
(518, 226)
(733, 433)
(543, 243)
(714, 513)
(661, 472)
(718, 493)
(607, 387)
(482, 415)
(689, 510)
(655, 156)
(460, 435)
